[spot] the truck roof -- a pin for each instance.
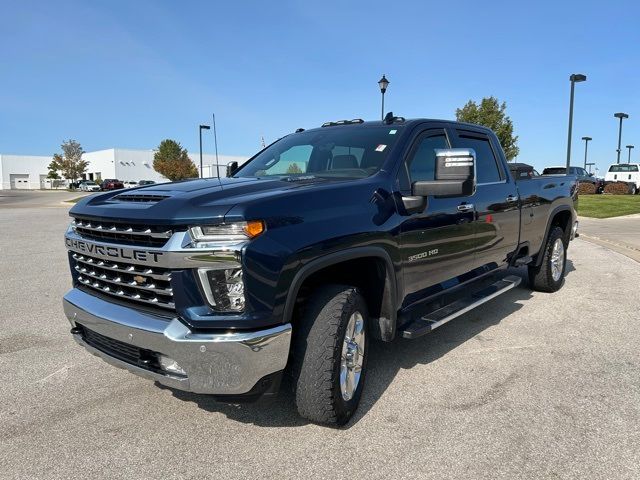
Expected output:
(412, 122)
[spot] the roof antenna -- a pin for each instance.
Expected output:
(215, 141)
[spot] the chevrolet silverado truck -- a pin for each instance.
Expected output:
(325, 240)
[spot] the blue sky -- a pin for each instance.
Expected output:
(128, 74)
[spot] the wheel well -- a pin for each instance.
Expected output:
(370, 275)
(562, 219)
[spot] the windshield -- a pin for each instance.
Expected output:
(623, 168)
(346, 152)
(89, 183)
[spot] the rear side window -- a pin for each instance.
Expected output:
(486, 164)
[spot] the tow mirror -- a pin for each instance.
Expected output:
(231, 168)
(455, 174)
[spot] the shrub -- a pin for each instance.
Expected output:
(586, 189)
(617, 188)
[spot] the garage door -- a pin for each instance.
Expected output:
(19, 181)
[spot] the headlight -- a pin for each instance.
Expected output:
(223, 288)
(226, 233)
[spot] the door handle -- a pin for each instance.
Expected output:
(512, 198)
(465, 207)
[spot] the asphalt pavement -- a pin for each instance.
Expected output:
(529, 385)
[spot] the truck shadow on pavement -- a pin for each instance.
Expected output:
(386, 360)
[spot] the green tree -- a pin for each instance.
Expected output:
(54, 167)
(294, 168)
(491, 113)
(172, 161)
(70, 164)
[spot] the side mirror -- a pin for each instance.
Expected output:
(231, 168)
(455, 174)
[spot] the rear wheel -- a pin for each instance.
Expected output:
(330, 355)
(549, 275)
(633, 189)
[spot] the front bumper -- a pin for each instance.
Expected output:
(215, 363)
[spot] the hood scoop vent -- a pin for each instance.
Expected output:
(139, 197)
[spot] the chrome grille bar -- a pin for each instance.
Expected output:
(123, 268)
(119, 281)
(131, 282)
(99, 227)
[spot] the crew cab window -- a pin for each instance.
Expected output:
(487, 170)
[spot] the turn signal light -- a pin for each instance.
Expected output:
(253, 228)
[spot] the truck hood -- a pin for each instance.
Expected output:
(206, 200)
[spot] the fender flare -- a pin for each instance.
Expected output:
(554, 212)
(338, 257)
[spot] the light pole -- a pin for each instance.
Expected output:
(621, 116)
(586, 144)
(629, 147)
(574, 78)
(383, 83)
(202, 127)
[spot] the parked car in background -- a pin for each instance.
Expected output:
(146, 182)
(628, 173)
(522, 171)
(111, 184)
(89, 186)
(130, 184)
(580, 173)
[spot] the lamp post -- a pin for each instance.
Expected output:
(383, 83)
(621, 116)
(586, 144)
(629, 147)
(574, 78)
(202, 127)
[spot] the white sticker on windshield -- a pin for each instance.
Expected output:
(380, 148)
(392, 132)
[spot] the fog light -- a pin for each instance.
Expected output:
(170, 365)
(224, 289)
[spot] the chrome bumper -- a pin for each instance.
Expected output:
(218, 364)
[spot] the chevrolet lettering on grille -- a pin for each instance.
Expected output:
(113, 252)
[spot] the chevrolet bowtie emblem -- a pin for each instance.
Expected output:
(139, 279)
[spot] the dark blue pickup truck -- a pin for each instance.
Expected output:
(323, 241)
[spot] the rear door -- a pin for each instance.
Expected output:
(496, 200)
(437, 245)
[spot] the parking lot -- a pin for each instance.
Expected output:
(530, 385)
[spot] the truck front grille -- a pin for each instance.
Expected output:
(136, 283)
(123, 233)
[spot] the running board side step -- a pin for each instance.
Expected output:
(439, 317)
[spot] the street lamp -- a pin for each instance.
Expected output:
(383, 83)
(621, 116)
(629, 147)
(202, 127)
(586, 143)
(574, 78)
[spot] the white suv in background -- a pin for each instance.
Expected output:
(130, 184)
(628, 173)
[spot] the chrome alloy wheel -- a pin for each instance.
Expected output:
(557, 259)
(352, 356)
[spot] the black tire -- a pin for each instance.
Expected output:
(633, 190)
(317, 349)
(541, 278)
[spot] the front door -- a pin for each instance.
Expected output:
(437, 245)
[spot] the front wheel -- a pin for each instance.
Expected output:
(330, 355)
(549, 275)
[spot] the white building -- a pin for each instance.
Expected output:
(30, 172)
